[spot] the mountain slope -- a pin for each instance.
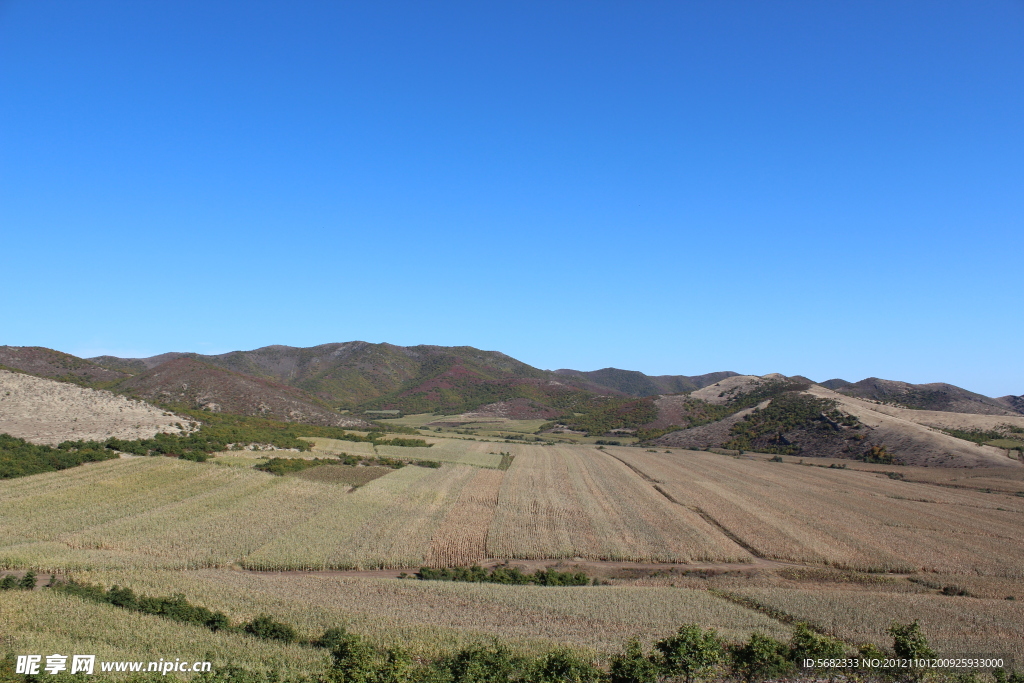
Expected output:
(197, 385)
(935, 396)
(799, 418)
(413, 379)
(636, 383)
(43, 362)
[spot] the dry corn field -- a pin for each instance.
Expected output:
(160, 512)
(572, 501)
(844, 518)
(555, 502)
(431, 616)
(48, 622)
(954, 625)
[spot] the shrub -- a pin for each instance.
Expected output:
(691, 653)
(760, 658)
(632, 666)
(28, 582)
(266, 627)
(806, 644)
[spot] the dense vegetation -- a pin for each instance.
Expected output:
(612, 413)
(763, 428)
(218, 432)
(19, 458)
(506, 575)
(282, 466)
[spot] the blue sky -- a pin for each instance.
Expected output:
(834, 189)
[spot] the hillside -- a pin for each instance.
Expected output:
(45, 411)
(638, 384)
(384, 376)
(43, 362)
(935, 396)
(198, 385)
(791, 416)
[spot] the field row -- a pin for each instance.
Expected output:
(554, 502)
(844, 518)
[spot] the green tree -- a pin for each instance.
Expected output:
(28, 582)
(264, 626)
(353, 660)
(632, 666)
(759, 658)
(564, 666)
(691, 653)
(806, 644)
(909, 642)
(8, 583)
(477, 664)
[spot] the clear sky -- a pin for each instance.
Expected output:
(834, 189)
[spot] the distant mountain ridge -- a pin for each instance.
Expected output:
(190, 382)
(636, 383)
(934, 396)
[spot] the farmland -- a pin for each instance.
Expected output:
(841, 518)
(956, 625)
(433, 615)
(741, 544)
(553, 502)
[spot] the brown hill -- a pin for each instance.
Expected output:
(812, 421)
(48, 412)
(384, 376)
(935, 396)
(636, 383)
(43, 362)
(198, 385)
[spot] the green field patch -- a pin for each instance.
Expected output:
(1005, 443)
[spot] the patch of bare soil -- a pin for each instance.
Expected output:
(720, 392)
(515, 409)
(45, 411)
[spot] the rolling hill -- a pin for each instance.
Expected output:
(43, 362)
(638, 384)
(198, 385)
(935, 396)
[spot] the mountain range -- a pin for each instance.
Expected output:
(342, 384)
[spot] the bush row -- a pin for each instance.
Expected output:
(506, 575)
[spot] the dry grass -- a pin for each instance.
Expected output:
(462, 538)
(44, 622)
(844, 518)
(161, 512)
(571, 501)
(351, 475)
(459, 451)
(434, 615)
(953, 625)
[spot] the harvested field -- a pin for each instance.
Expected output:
(433, 615)
(45, 411)
(571, 501)
(953, 625)
(843, 518)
